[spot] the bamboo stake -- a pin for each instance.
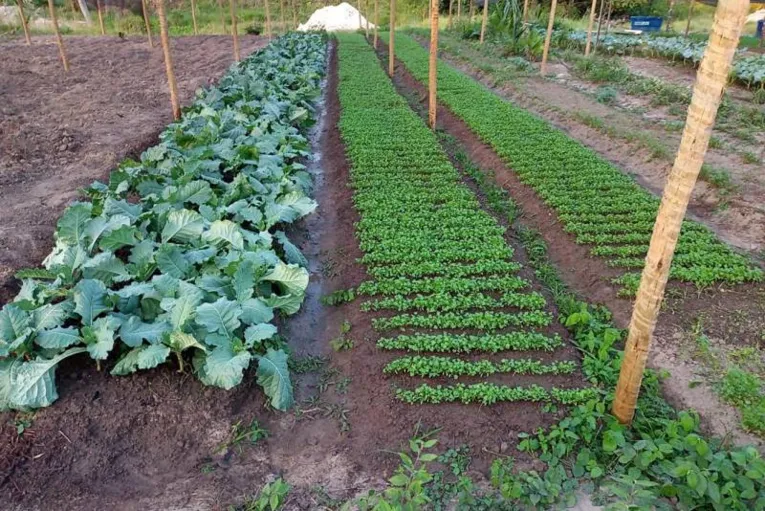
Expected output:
(366, 18)
(449, 21)
(711, 80)
(222, 16)
(268, 19)
(100, 9)
(589, 28)
(433, 64)
(608, 16)
(459, 10)
(472, 9)
(165, 41)
(281, 16)
(145, 10)
(600, 24)
(525, 11)
(391, 39)
(484, 19)
(59, 39)
(294, 14)
(548, 38)
(669, 15)
(23, 19)
(377, 21)
(690, 15)
(234, 34)
(358, 9)
(194, 16)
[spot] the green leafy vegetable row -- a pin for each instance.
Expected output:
(435, 257)
(182, 253)
(596, 202)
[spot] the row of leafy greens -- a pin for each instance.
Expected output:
(182, 254)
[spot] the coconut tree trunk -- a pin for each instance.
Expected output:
(268, 19)
(222, 16)
(59, 39)
(548, 38)
(23, 20)
(194, 16)
(484, 19)
(433, 64)
(449, 20)
(589, 28)
(165, 42)
(377, 21)
(145, 10)
(690, 15)
(391, 38)
(234, 34)
(711, 80)
(100, 9)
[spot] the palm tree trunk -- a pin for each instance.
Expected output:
(194, 16)
(59, 39)
(484, 19)
(24, 25)
(548, 38)
(234, 34)
(711, 80)
(589, 27)
(391, 38)
(145, 10)
(165, 41)
(433, 64)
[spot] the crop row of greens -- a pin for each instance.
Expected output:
(182, 253)
(596, 203)
(442, 271)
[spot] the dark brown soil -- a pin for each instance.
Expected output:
(61, 131)
(734, 314)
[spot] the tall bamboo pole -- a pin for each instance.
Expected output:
(600, 24)
(268, 19)
(484, 19)
(525, 11)
(472, 9)
(59, 39)
(391, 38)
(194, 16)
(449, 20)
(281, 16)
(589, 28)
(294, 14)
(608, 16)
(358, 9)
(165, 41)
(459, 10)
(145, 10)
(669, 15)
(24, 25)
(433, 64)
(377, 21)
(234, 34)
(711, 80)
(100, 11)
(366, 19)
(548, 38)
(690, 15)
(222, 16)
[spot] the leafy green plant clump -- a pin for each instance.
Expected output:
(596, 203)
(182, 253)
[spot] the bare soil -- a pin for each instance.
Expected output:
(733, 314)
(61, 131)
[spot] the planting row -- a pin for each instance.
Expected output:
(596, 202)
(442, 270)
(182, 253)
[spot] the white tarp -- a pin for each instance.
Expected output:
(756, 16)
(335, 18)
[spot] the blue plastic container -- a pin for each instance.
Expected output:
(646, 23)
(760, 24)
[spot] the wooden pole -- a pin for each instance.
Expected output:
(222, 16)
(433, 64)
(145, 10)
(472, 9)
(377, 21)
(589, 28)
(268, 19)
(391, 38)
(548, 38)
(194, 16)
(358, 9)
(711, 80)
(281, 16)
(294, 13)
(366, 19)
(449, 20)
(24, 25)
(690, 15)
(608, 16)
(165, 42)
(525, 11)
(484, 19)
(100, 9)
(459, 10)
(59, 39)
(600, 24)
(234, 34)
(669, 15)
